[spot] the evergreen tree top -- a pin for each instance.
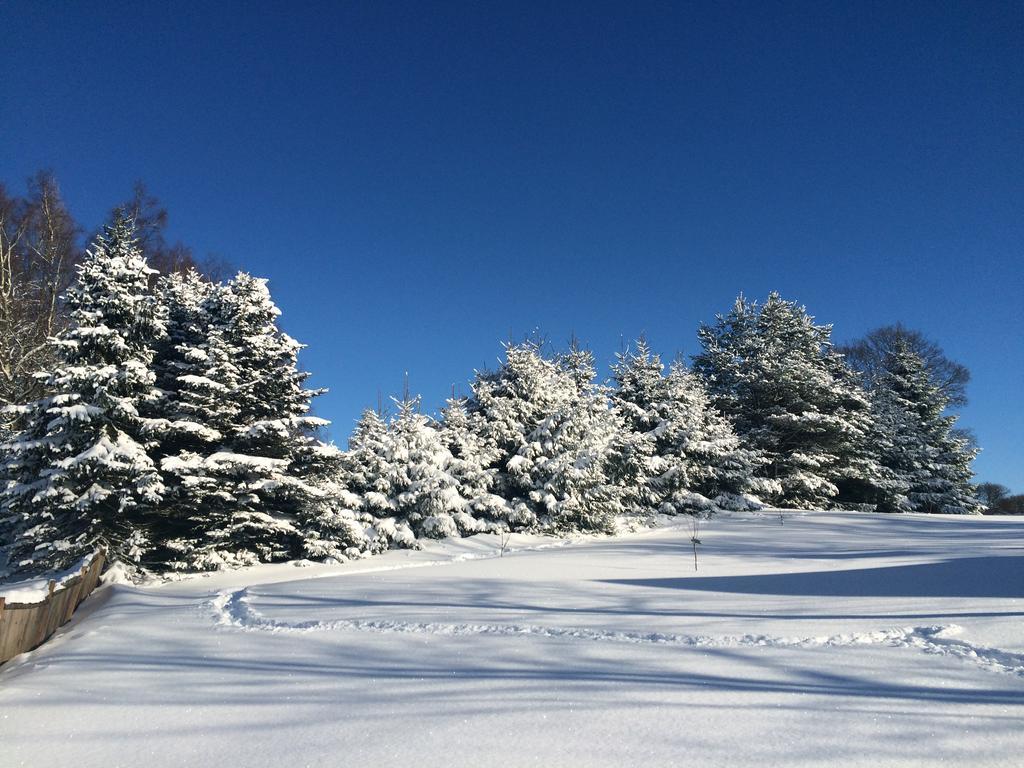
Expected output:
(369, 426)
(905, 379)
(637, 371)
(111, 308)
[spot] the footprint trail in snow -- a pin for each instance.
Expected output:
(232, 608)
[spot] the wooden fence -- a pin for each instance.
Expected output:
(24, 626)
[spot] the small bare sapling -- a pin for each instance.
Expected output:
(505, 537)
(696, 519)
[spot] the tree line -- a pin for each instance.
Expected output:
(171, 423)
(999, 501)
(40, 248)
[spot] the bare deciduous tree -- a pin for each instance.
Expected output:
(992, 493)
(868, 354)
(151, 221)
(38, 253)
(13, 319)
(1011, 505)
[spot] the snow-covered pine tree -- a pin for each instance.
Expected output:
(927, 464)
(639, 388)
(407, 478)
(194, 410)
(472, 460)
(330, 520)
(364, 465)
(791, 399)
(565, 468)
(366, 472)
(426, 494)
(7, 433)
(554, 439)
(508, 404)
(195, 403)
(718, 466)
(79, 472)
(275, 422)
(202, 409)
(578, 362)
(247, 483)
(693, 456)
(607, 463)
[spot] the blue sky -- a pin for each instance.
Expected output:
(422, 181)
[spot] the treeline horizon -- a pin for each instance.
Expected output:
(166, 416)
(39, 232)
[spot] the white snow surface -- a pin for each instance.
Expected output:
(33, 591)
(843, 639)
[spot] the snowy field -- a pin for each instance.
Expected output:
(836, 638)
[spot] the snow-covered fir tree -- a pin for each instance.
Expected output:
(364, 464)
(7, 522)
(366, 472)
(926, 465)
(609, 463)
(425, 492)
(472, 462)
(193, 408)
(205, 394)
(553, 437)
(692, 455)
(243, 480)
(330, 518)
(79, 474)
(791, 399)
(411, 484)
(564, 469)
(508, 404)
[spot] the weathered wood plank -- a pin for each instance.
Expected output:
(20, 629)
(77, 586)
(25, 626)
(41, 624)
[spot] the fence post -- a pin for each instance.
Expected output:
(82, 594)
(3, 602)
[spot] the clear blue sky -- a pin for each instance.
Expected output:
(421, 181)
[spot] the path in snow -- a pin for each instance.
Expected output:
(233, 608)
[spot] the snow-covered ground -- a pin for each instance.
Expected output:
(834, 639)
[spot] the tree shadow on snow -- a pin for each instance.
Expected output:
(964, 577)
(339, 672)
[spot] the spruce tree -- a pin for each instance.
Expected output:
(367, 472)
(79, 475)
(274, 423)
(194, 409)
(693, 455)
(791, 399)
(409, 482)
(195, 405)
(472, 458)
(425, 491)
(553, 437)
(330, 520)
(364, 466)
(244, 483)
(564, 468)
(593, 460)
(509, 404)
(927, 466)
